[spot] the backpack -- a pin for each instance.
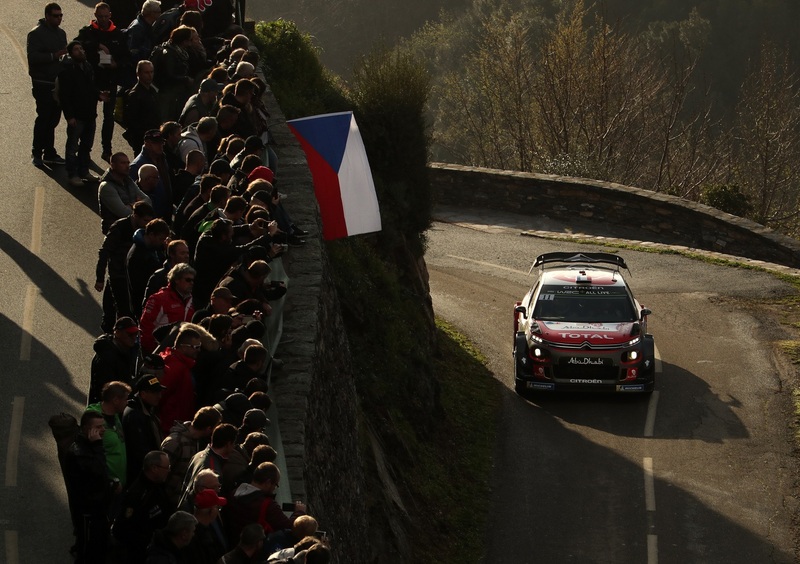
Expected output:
(166, 22)
(64, 428)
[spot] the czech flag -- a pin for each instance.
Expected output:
(340, 170)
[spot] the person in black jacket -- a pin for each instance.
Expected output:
(171, 62)
(142, 111)
(89, 489)
(145, 507)
(168, 542)
(107, 52)
(146, 255)
(140, 423)
(46, 44)
(115, 357)
(78, 95)
(114, 254)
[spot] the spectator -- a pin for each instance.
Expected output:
(114, 358)
(145, 507)
(209, 542)
(239, 460)
(114, 399)
(251, 543)
(249, 282)
(78, 96)
(140, 423)
(178, 400)
(198, 136)
(153, 153)
(304, 526)
(200, 105)
(171, 62)
(89, 489)
(171, 132)
(253, 145)
(221, 302)
(241, 98)
(46, 44)
(167, 543)
(213, 457)
(254, 502)
(216, 252)
(206, 479)
(117, 192)
(107, 52)
(194, 165)
(144, 258)
(240, 180)
(150, 183)
(177, 252)
(191, 230)
(255, 361)
(183, 442)
(227, 117)
(114, 253)
(170, 304)
(140, 33)
(142, 110)
(233, 408)
(193, 201)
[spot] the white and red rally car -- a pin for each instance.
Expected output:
(580, 328)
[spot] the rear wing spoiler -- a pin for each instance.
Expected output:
(580, 258)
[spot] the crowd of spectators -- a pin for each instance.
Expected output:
(171, 461)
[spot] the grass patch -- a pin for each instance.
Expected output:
(452, 476)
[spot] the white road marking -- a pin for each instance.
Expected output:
(650, 421)
(652, 549)
(14, 436)
(16, 44)
(473, 261)
(649, 486)
(12, 547)
(30, 293)
(27, 323)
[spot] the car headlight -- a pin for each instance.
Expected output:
(635, 341)
(537, 352)
(633, 355)
(535, 338)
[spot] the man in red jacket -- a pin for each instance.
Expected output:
(170, 304)
(177, 399)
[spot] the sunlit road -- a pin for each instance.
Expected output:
(576, 479)
(49, 313)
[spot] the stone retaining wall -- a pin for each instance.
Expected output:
(646, 215)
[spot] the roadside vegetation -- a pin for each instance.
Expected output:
(428, 403)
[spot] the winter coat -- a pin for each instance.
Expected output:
(114, 250)
(110, 363)
(77, 92)
(142, 261)
(114, 446)
(91, 37)
(177, 400)
(142, 433)
(115, 199)
(163, 308)
(42, 44)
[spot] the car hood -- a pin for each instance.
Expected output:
(575, 333)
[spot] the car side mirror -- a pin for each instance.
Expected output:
(522, 310)
(645, 312)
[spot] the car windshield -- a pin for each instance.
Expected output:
(584, 303)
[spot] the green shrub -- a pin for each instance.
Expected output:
(727, 198)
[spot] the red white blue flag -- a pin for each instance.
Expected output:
(340, 170)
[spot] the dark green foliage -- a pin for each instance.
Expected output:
(390, 90)
(727, 198)
(297, 78)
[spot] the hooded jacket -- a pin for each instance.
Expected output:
(177, 400)
(110, 363)
(91, 37)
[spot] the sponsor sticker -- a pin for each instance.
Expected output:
(539, 386)
(631, 388)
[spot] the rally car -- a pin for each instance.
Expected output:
(580, 328)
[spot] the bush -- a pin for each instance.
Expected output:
(300, 83)
(727, 198)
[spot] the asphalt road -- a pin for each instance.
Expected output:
(49, 312)
(701, 472)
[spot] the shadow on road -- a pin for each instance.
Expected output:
(680, 391)
(563, 498)
(86, 195)
(75, 306)
(46, 387)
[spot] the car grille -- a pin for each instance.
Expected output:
(604, 372)
(585, 345)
